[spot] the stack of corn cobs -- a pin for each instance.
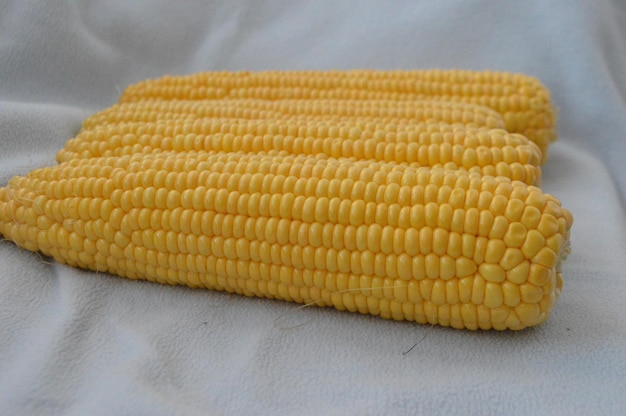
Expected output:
(412, 195)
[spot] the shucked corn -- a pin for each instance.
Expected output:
(358, 205)
(490, 152)
(523, 101)
(429, 245)
(325, 110)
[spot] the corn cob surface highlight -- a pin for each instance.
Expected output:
(522, 100)
(423, 244)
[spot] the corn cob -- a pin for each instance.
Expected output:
(521, 100)
(428, 245)
(326, 110)
(489, 152)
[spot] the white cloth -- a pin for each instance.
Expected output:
(76, 343)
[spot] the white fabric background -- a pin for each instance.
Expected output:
(76, 343)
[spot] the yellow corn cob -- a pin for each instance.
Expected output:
(489, 152)
(523, 101)
(326, 110)
(429, 245)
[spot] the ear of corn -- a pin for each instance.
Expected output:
(429, 245)
(312, 110)
(490, 152)
(398, 194)
(523, 101)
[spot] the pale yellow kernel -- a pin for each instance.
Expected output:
(315, 234)
(519, 274)
(274, 204)
(484, 317)
(468, 245)
(498, 317)
(511, 258)
(533, 244)
(417, 216)
(432, 263)
(545, 257)
(391, 270)
(173, 200)
(511, 292)
(492, 272)
(43, 223)
(499, 227)
(515, 235)
(465, 288)
(331, 260)
(528, 313)
(455, 245)
(338, 236)
(397, 239)
(485, 197)
(531, 217)
(457, 198)
(514, 209)
(172, 243)
(418, 267)
(471, 198)
(440, 241)
(469, 315)
(485, 223)
(431, 214)
(465, 267)
(426, 286)
(445, 216)
(457, 223)
(480, 249)
(470, 158)
(452, 291)
(438, 293)
(321, 209)
(115, 219)
(536, 198)
(547, 302)
(357, 211)
(413, 292)
(530, 293)
(217, 246)
(539, 275)
(548, 225)
(404, 217)
(386, 239)
(350, 238)
(495, 251)
(83, 209)
(379, 265)
(105, 209)
(367, 262)
(555, 243)
(76, 242)
(472, 221)
(403, 267)
(498, 204)
(393, 214)
(478, 290)
(494, 296)
(447, 267)
(425, 240)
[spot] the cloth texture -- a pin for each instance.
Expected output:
(74, 342)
